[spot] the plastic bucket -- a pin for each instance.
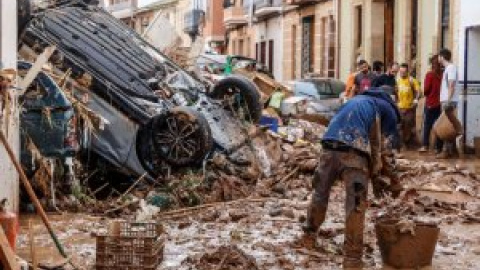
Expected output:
(270, 122)
(404, 250)
(447, 129)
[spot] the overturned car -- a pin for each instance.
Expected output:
(156, 114)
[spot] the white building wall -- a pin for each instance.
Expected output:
(468, 17)
(8, 56)
(272, 29)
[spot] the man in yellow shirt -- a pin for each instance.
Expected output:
(408, 89)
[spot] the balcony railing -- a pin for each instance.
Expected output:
(234, 16)
(302, 2)
(127, 5)
(266, 8)
(259, 4)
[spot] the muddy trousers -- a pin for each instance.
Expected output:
(353, 169)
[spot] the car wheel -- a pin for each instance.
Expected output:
(240, 96)
(181, 137)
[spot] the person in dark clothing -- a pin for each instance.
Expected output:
(356, 146)
(377, 68)
(433, 107)
(364, 78)
(388, 78)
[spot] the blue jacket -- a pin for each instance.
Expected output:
(353, 122)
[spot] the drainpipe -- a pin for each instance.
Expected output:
(338, 29)
(465, 87)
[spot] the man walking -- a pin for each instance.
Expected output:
(449, 97)
(433, 81)
(352, 148)
(408, 90)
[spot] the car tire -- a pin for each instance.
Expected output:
(167, 130)
(228, 88)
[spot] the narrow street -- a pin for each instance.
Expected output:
(268, 228)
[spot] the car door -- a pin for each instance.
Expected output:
(327, 101)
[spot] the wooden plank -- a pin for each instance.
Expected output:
(7, 257)
(42, 59)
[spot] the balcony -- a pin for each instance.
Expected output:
(302, 2)
(122, 10)
(266, 8)
(234, 16)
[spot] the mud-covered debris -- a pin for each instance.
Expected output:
(226, 258)
(237, 214)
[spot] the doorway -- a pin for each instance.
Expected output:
(308, 39)
(389, 32)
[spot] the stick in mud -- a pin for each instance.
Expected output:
(33, 197)
(131, 187)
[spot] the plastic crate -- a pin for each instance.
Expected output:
(130, 246)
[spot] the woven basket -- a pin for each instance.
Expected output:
(445, 129)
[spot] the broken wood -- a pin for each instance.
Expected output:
(99, 189)
(31, 194)
(132, 187)
(7, 256)
(286, 177)
(123, 206)
(41, 60)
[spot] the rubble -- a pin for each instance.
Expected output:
(224, 258)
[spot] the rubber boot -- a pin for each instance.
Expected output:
(353, 245)
(315, 217)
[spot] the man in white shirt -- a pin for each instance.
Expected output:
(449, 97)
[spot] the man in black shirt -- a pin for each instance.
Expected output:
(388, 78)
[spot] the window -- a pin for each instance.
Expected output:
(445, 39)
(263, 52)
(358, 26)
(414, 29)
(270, 55)
(324, 46)
(241, 49)
(308, 43)
(294, 51)
(332, 42)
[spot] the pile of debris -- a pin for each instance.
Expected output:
(223, 258)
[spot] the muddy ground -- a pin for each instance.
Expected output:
(262, 231)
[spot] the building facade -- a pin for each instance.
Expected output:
(239, 32)
(405, 31)
(293, 38)
(214, 29)
(183, 15)
(310, 39)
